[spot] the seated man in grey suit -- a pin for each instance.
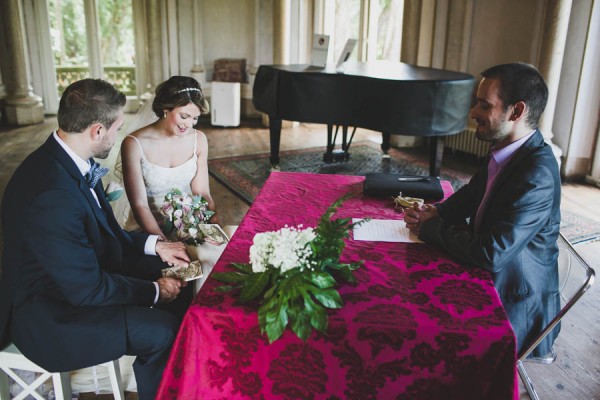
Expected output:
(76, 290)
(513, 204)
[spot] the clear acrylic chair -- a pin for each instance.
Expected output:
(575, 277)
(12, 359)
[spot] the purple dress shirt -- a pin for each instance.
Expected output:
(498, 160)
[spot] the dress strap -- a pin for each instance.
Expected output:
(139, 145)
(195, 141)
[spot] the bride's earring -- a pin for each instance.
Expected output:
(165, 115)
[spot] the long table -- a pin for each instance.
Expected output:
(418, 324)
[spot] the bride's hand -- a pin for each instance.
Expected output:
(173, 253)
(214, 219)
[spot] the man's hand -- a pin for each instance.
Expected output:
(415, 217)
(168, 289)
(173, 253)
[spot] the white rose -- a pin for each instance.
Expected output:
(113, 187)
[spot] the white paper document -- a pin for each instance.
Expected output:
(384, 230)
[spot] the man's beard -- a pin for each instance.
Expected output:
(493, 135)
(103, 150)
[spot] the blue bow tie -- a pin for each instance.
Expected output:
(95, 173)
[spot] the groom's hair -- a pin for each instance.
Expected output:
(87, 102)
(521, 82)
(178, 91)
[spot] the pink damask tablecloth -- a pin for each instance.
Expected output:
(418, 325)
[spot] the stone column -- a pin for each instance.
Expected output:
(155, 42)
(553, 48)
(280, 28)
(2, 67)
(411, 25)
(21, 105)
(141, 48)
(198, 70)
(2, 89)
(281, 53)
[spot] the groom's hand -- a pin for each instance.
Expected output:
(168, 289)
(173, 253)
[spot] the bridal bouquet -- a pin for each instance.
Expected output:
(184, 216)
(292, 273)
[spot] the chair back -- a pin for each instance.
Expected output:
(575, 277)
(12, 359)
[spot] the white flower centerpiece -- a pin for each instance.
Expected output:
(292, 273)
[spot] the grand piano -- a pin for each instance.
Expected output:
(389, 97)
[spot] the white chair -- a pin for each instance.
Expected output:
(575, 277)
(11, 359)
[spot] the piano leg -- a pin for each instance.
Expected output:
(436, 151)
(275, 138)
(385, 144)
(331, 155)
(328, 155)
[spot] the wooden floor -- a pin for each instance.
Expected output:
(575, 374)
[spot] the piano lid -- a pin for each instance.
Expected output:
(384, 96)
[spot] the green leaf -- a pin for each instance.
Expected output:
(115, 195)
(208, 214)
(318, 318)
(275, 319)
(262, 316)
(301, 325)
(330, 298)
(358, 223)
(321, 280)
(246, 268)
(269, 293)
(168, 226)
(316, 312)
(253, 286)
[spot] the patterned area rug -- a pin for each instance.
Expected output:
(245, 175)
(579, 229)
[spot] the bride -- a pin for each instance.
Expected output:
(168, 153)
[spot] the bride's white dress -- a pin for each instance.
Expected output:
(161, 180)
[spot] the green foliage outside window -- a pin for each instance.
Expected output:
(70, 48)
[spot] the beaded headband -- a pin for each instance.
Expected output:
(189, 89)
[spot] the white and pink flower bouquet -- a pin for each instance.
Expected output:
(184, 217)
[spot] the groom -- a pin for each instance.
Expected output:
(76, 290)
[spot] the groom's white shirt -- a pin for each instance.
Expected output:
(84, 167)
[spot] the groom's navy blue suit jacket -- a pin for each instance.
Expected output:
(64, 277)
(516, 241)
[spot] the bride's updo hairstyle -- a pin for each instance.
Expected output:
(178, 91)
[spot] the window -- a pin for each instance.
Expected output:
(101, 45)
(376, 24)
